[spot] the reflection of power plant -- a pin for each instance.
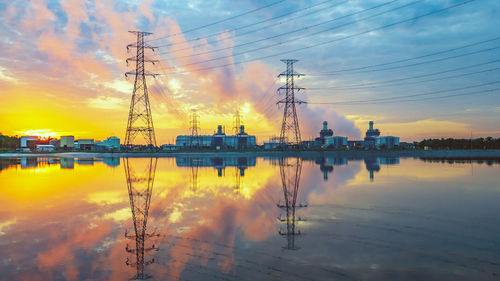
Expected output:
(290, 170)
(219, 163)
(373, 164)
(240, 164)
(139, 190)
(326, 164)
(65, 162)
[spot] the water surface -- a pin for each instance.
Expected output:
(247, 218)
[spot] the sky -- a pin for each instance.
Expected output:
(418, 69)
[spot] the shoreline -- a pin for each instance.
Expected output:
(443, 154)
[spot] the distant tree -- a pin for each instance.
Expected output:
(450, 143)
(8, 142)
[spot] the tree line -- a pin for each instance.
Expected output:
(449, 143)
(7, 142)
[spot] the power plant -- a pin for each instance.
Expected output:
(140, 123)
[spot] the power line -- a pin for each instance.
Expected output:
(376, 84)
(420, 99)
(406, 96)
(430, 61)
(331, 41)
(297, 30)
(408, 59)
(304, 29)
(254, 24)
(219, 21)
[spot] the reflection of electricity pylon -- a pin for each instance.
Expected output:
(237, 178)
(139, 190)
(194, 175)
(290, 170)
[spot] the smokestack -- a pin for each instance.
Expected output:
(242, 129)
(325, 125)
(371, 125)
(219, 130)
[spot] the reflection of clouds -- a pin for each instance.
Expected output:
(106, 197)
(5, 225)
(215, 233)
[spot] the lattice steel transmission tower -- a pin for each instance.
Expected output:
(290, 170)
(290, 131)
(237, 128)
(195, 123)
(139, 117)
(139, 190)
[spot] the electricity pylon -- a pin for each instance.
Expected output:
(290, 170)
(194, 130)
(139, 117)
(139, 190)
(290, 131)
(237, 128)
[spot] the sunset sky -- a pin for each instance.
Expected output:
(419, 69)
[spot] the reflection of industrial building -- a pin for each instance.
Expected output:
(67, 163)
(373, 164)
(217, 141)
(326, 164)
(219, 163)
(111, 161)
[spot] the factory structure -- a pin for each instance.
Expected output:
(328, 141)
(218, 141)
(67, 143)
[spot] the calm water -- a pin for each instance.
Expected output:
(249, 218)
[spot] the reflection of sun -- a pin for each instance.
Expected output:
(42, 134)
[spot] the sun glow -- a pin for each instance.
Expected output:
(42, 134)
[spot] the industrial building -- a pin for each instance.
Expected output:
(373, 140)
(45, 147)
(28, 142)
(335, 142)
(218, 141)
(371, 137)
(84, 144)
(389, 142)
(324, 133)
(111, 144)
(67, 142)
